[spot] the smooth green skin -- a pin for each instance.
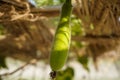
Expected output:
(61, 44)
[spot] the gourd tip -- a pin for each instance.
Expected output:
(53, 74)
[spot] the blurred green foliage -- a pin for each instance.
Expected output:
(84, 61)
(66, 74)
(2, 62)
(76, 26)
(0, 78)
(1, 30)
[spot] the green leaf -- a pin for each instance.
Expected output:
(0, 78)
(77, 44)
(76, 26)
(2, 62)
(84, 61)
(67, 74)
(1, 30)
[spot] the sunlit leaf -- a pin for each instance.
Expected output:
(76, 26)
(77, 44)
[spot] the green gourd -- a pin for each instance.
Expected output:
(61, 43)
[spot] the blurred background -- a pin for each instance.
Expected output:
(27, 29)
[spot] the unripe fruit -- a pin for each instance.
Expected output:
(61, 44)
